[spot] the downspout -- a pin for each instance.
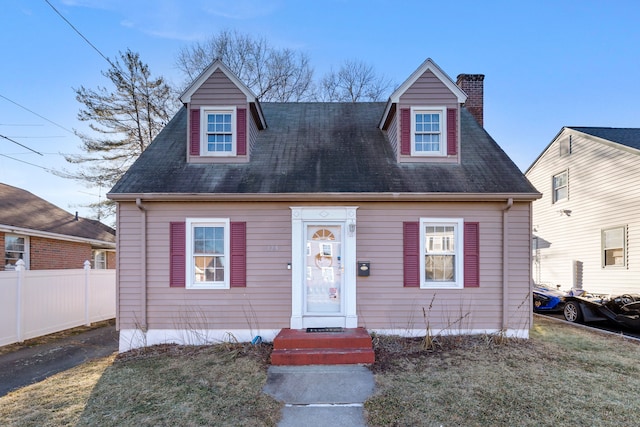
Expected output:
(143, 266)
(505, 264)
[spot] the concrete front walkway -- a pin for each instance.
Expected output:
(321, 395)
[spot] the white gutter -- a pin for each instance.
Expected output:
(271, 197)
(143, 265)
(505, 264)
(47, 235)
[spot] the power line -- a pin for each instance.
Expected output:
(30, 164)
(80, 34)
(33, 112)
(22, 145)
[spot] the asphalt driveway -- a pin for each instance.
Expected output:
(33, 364)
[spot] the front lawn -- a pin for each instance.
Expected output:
(563, 375)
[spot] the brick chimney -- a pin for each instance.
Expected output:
(473, 85)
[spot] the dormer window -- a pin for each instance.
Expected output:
(218, 132)
(428, 137)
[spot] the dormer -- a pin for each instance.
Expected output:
(224, 117)
(422, 117)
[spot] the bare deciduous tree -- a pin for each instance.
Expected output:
(354, 81)
(273, 75)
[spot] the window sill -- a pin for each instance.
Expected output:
(441, 286)
(207, 287)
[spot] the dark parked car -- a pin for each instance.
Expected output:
(623, 309)
(547, 300)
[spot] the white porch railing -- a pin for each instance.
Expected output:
(39, 302)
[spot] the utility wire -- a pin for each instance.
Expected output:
(21, 145)
(80, 34)
(33, 112)
(30, 164)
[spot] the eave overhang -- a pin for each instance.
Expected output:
(56, 236)
(315, 197)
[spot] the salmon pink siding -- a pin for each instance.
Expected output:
(219, 90)
(427, 91)
(382, 301)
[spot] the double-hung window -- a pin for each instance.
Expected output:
(441, 248)
(15, 248)
(560, 187)
(208, 253)
(614, 247)
(428, 134)
(219, 133)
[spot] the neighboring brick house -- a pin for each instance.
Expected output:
(586, 227)
(244, 218)
(47, 237)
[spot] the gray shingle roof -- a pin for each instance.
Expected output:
(323, 148)
(625, 136)
(20, 208)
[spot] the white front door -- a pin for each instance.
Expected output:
(323, 267)
(322, 286)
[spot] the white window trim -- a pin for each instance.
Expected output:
(27, 249)
(459, 253)
(443, 131)
(624, 247)
(203, 131)
(190, 267)
(96, 253)
(553, 187)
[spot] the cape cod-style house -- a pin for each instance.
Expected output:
(244, 218)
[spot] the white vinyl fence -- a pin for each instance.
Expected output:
(40, 302)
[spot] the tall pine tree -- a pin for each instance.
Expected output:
(124, 121)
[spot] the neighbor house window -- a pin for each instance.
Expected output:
(219, 132)
(427, 132)
(560, 187)
(441, 249)
(565, 146)
(614, 247)
(15, 248)
(99, 261)
(208, 253)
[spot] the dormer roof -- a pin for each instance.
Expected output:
(185, 98)
(427, 65)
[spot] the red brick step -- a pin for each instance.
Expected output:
(298, 347)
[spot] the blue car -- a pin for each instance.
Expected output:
(547, 300)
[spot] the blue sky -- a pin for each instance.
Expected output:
(547, 64)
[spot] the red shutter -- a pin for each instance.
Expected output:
(241, 125)
(194, 145)
(452, 131)
(411, 250)
(471, 254)
(238, 276)
(405, 131)
(177, 254)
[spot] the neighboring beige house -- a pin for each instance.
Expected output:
(47, 237)
(586, 227)
(243, 218)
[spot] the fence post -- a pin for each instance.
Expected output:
(87, 273)
(19, 283)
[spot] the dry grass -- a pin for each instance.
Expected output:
(561, 376)
(163, 385)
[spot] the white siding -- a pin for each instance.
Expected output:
(603, 193)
